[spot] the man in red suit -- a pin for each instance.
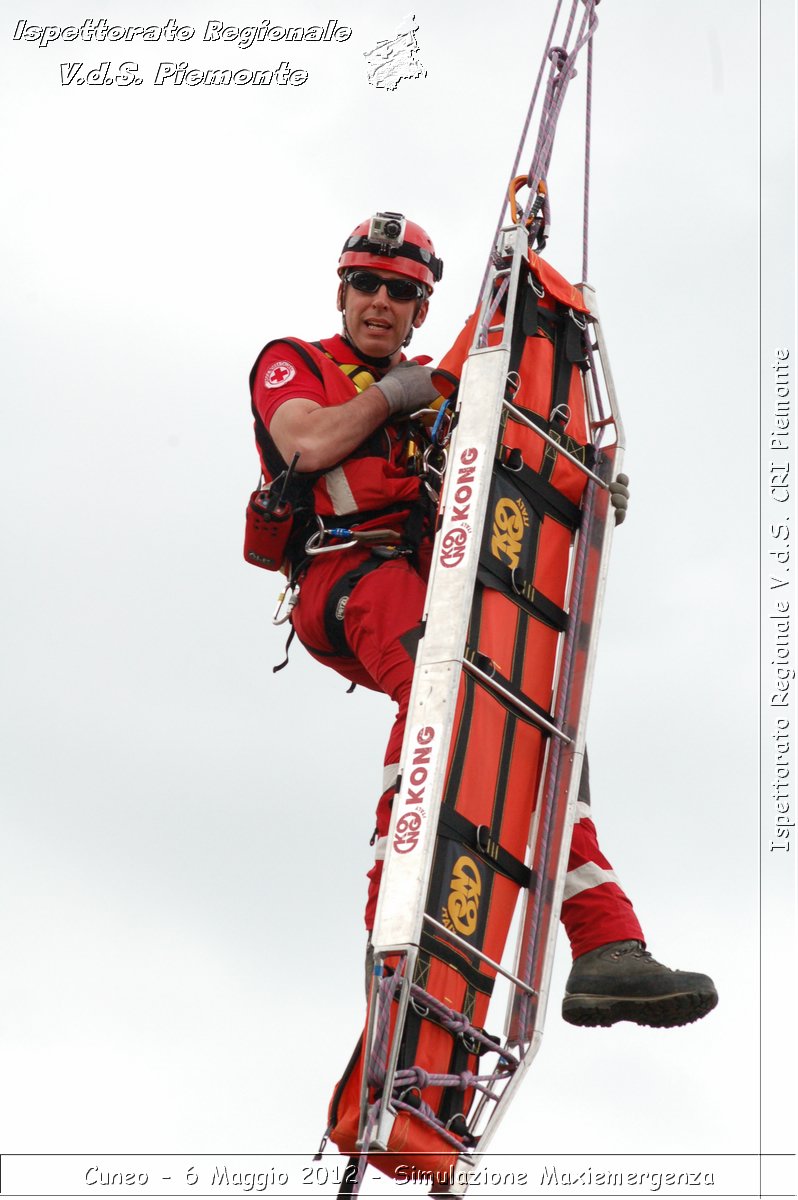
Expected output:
(342, 406)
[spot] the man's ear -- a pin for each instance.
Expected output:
(339, 303)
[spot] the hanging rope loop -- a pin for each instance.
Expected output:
(558, 63)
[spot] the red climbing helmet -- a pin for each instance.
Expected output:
(391, 242)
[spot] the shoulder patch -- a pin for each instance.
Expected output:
(279, 373)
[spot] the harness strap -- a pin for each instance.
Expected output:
(362, 377)
(336, 602)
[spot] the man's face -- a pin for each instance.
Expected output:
(377, 324)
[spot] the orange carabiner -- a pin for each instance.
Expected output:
(515, 187)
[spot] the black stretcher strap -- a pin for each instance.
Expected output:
(453, 958)
(540, 494)
(480, 839)
(495, 575)
(530, 314)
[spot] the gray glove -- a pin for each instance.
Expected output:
(619, 498)
(407, 388)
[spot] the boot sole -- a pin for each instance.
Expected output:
(659, 1012)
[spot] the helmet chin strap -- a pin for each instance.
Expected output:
(385, 360)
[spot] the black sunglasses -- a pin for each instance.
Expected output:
(397, 289)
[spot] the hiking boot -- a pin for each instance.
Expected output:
(622, 982)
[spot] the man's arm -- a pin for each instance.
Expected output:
(323, 436)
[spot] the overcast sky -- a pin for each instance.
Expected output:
(185, 833)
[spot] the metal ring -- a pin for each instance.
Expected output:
(581, 323)
(514, 380)
(480, 840)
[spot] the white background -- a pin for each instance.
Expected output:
(186, 834)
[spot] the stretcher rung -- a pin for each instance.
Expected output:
(454, 937)
(519, 416)
(528, 712)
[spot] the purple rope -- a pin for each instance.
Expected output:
(458, 1023)
(379, 1053)
(522, 140)
(560, 75)
(491, 313)
(588, 114)
(417, 1077)
(594, 375)
(531, 944)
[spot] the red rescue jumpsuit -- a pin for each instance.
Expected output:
(382, 622)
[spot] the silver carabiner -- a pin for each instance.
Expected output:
(428, 467)
(433, 495)
(291, 590)
(313, 546)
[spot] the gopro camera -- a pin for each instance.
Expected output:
(387, 229)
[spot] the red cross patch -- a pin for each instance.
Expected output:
(279, 373)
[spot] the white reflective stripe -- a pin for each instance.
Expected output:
(583, 810)
(390, 774)
(586, 877)
(379, 849)
(340, 492)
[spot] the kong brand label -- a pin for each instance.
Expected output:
(456, 521)
(414, 795)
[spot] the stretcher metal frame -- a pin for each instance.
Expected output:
(440, 661)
